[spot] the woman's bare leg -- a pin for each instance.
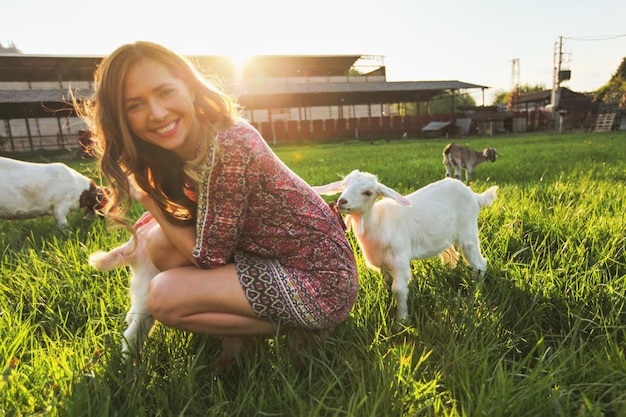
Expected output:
(208, 301)
(164, 255)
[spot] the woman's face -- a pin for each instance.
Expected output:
(159, 107)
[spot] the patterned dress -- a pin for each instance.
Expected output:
(295, 265)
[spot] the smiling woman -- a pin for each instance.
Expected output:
(243, 245)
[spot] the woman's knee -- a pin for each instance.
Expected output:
(163, 253)
(158, 300)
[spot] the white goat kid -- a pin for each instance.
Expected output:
(30, 189)
(133, 254)
(397, 229)
(459, 157)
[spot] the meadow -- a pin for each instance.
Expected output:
(542, 334)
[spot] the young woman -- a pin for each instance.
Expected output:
(245, 247)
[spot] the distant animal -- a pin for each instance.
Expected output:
(459, 157)
(134, 254)
(30, 189)
(396, 229)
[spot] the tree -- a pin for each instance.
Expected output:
(614, 92)
(440, 104)
(504, 97)
(11, 49)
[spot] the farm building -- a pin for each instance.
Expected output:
(577, 111)
(532, 111)
(289, 98)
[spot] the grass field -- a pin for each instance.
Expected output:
(543, 334)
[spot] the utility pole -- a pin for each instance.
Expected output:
(515, 75)
(559, 75)
(555, 97)
(515, 83)
(556, 83)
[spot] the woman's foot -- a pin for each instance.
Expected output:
(232, 348)
(300, 339)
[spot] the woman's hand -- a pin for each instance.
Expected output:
(172, 238)
(138, 194)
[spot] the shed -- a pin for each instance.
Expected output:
(438, 129)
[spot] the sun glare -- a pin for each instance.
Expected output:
(239, 60)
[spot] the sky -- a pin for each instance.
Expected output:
(474, 42)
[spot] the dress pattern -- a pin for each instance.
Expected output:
(293, 259)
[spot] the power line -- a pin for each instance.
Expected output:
(595, 38)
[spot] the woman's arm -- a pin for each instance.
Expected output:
(183, 239)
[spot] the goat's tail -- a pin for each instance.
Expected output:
(487, 197)
(447, 154)
(105, 261)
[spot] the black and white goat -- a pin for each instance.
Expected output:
(459, 157)
(30, 189)
(396, 229)
(134, 254)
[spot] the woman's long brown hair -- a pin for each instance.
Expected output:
(122, 155)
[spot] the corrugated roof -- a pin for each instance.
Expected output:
(14, 103)
(251, 94)
(17, 67)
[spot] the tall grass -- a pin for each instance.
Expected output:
(541, 335)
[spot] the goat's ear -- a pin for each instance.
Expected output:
(394, 195)
(329, 189)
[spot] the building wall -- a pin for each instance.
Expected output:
(41, 133)
(63, 133)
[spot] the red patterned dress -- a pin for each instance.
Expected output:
(294, 262)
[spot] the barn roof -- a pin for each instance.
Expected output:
(16, 104)
(18, 67)
(325, 94)
(256, 94)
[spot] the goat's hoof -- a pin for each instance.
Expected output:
(401, 323)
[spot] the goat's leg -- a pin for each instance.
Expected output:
(457, 172)
(139, 327)
(139, 319)
(400, 290)
(450, 257)
(471, 252)
(60, 216)
(387, 274)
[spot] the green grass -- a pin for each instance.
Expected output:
(542, 334)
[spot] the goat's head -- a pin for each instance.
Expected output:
(490, 154)
(94, 198)
(359, 192)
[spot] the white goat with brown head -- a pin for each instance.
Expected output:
(31, 189)
(396, 229)
(459, 157)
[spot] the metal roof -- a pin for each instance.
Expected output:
(348, 93)
(251, 95)
(18, 67)
(16, 104)
(36, 68)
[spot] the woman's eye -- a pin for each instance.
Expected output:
(133, 107)
(167, 92)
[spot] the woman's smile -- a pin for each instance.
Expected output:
(167, 130)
